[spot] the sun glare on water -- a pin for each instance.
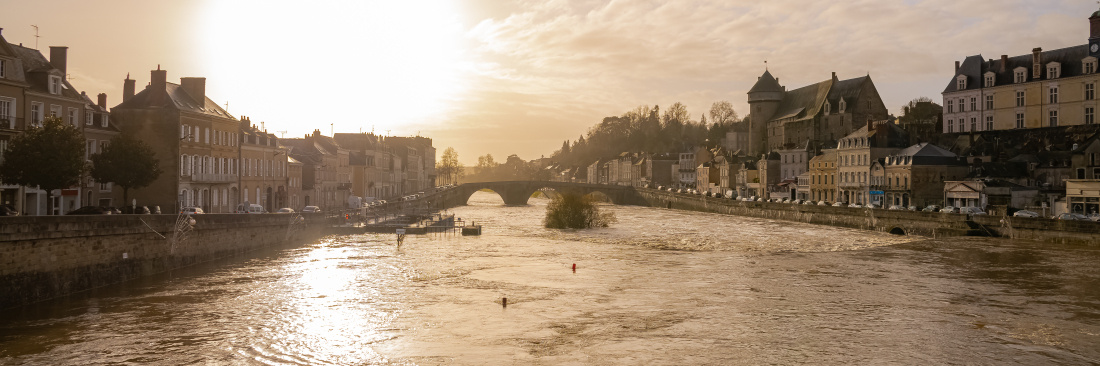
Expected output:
(301, 66)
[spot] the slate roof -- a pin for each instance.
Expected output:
(177, 99)
(806, 102)
(975, 67)
(926, 149)
(848, 90)
(35, 63)
(766, 83)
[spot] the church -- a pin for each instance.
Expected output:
(813, 116)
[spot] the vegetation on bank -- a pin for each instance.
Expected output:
(574, 211)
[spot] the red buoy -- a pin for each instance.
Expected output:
(574, 268)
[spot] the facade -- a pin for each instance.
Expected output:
(1083, 196)
(263, 178)
(1041, 89)
(815, 115)
(98, 132)
(659, 170)
(748, 180)
(195, 140)
(294, 183)
(794, 162)
(823, 172)
(769, 167)
(855, 154)
(915, 175)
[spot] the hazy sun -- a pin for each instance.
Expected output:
(385, 64)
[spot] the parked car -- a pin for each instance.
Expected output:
(949, 209)
(895, 208)
(1025, 213)
(855, 205)
(1070, 216)
(312, 209)
(931, 208)
(971, 211)
(285, 210)
(252, 208)
(1094, 217)
(822, 203)
(91, 210)
(839, 204)
(808, 202)
(914, 208)
(192, 211)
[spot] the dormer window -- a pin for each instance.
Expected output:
(989, 79)
(1089, 65)
(1020, 75)
(842, 105)
(827, 108)
(55, 85)
(1054, 70)
(961, 82)
(3, 66)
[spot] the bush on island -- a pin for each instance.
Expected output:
(574, 211)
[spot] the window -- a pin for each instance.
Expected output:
(973, 124)
(989, 102)
(88, 117)
(1090, 91)
(950, 126)
(1052, 72)
(950, 106)
(88, 152)
(962, 105)
(1054, 95)
(37, 110)
(1019, 120)
(7, 112)
(55, 110)
(73, 112)
(989, 123)
(842, 105)
(1090, 67)
(989, 81)
(962, 82)
(3, 65)
(1053, 118)
(827, 107)
(55, 85)
(973, 104)
(1020, 98)
(1020, 77)
(1090, 115)
(103, 119)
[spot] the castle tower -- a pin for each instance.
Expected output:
(764, 98)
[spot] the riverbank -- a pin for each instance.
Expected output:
(43, 257)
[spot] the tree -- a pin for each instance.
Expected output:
(722, 113)
(449, 167)
(128, 163)
(920, 110)
(49, 156)
(573, 211)
(485, 166)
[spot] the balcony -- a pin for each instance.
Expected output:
(213, 178)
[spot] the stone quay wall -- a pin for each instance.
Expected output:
(43, 257)
(931, 224)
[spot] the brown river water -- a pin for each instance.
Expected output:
(659, 287)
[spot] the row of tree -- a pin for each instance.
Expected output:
(649, 130)
(51, 157)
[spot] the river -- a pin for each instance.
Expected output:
(658, 287)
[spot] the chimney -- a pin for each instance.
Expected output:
(196, 88)
(127, 88)
(316, 133)
(1004, 63)
(103, 100)
(1037, 63)
(159, 80)
(956, 68)
(870, 124)
(59, 58)
(834, 75)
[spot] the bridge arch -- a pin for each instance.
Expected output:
(898, 231)
(516, 193)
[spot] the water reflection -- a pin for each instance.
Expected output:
(659, 287)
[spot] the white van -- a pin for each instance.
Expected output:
(252, 209)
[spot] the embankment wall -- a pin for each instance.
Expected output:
(43, 257)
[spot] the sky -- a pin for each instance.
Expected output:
(519, 77)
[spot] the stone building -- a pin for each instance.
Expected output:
(855, 154)
(263, 178)
(823, 171)
(32, 88)
(98, 132)
(294, 183)
(819, 113)
(194, 139)
(1041, 89)
(915, 175)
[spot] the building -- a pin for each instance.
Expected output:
(915, 175)
(659, 169)
(819, 113)
(769, 170)
(194, 139)
(263, 178)
(823, 172)
(1041, 89)
(748, 180)
(855, 154)
(98, 132)
(794, 161)
(294, 183)
(1083, 196)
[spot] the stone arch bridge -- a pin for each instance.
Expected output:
(517, 192)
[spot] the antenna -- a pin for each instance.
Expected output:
(332, 129)
(35, 36)
(226, 102)
(281, 134)
(262, 126)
